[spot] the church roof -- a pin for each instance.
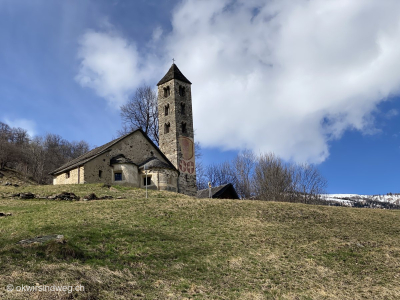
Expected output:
(154, 162)
(120, 159)
(173, 73)
(218, 191)
(81, 160)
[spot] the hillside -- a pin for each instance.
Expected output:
(175, 247)
(9, 176)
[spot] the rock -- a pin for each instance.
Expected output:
(5, 214)
(113, 189)
(42, 239)
(16, 185)
(106, 197)
(119, 197)
(7, 184)
(104, 185)
(91, 196)
(1, 175)
(66, 196)
(26, 195)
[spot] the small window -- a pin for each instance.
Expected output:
(166, 128)
(67, 175)
(117, 176)
(183, 108)
(181, 91)
(100, 173)
(167, 91)
(183, 127)
(147, 180)
(166, 109)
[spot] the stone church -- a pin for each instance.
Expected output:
(135, 160)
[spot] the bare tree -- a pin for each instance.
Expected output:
(13, 143)
(275, 180)
(308, 183)
(243, 167)
(141, 112)
(272, 179)
(38, 156)
(201, 178)
(220, 174)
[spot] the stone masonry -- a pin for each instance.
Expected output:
(175, 122)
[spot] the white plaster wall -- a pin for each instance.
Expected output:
(130, 174)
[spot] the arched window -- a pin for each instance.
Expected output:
(166, 127)
(167, 91)
(166, 109)
(183, 108)
(183, 127)
(182, 91)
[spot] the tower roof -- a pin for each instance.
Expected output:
(173, 73)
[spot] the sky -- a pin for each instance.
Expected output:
(314, 81)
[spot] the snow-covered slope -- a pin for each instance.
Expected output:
(350, 199)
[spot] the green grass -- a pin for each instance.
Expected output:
(172, 246)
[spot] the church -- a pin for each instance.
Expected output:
(134, 159)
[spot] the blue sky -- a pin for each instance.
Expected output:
(314, 81)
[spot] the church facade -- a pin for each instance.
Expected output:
(135, 160)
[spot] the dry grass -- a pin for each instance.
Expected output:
(14, 177)
(175, 247)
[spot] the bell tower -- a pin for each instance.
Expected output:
(176, 138)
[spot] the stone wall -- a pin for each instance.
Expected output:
(75, 176)
(92, 168)
(169, 142)
(136, 148)
(161, 179)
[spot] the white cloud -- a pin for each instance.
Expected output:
(286, 76)
(391, 113)
(282, 76)
(157, 34)
(28, 125)
(109, 65)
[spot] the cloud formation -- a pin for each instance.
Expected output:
(282, 76)
(28, 125)
(109, 65)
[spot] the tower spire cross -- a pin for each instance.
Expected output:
(173, 60)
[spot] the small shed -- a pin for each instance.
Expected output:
(226, 191)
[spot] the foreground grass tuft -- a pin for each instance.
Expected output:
(173, 247)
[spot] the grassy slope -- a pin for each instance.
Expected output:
(171, 247)
(14, 177)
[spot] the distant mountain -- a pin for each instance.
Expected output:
(371, 201)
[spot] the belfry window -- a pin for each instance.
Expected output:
(167, 91)
(183, 127)
(166, 109)
(183, 108)
(100, 173)
(166, 127)
(181, 91)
